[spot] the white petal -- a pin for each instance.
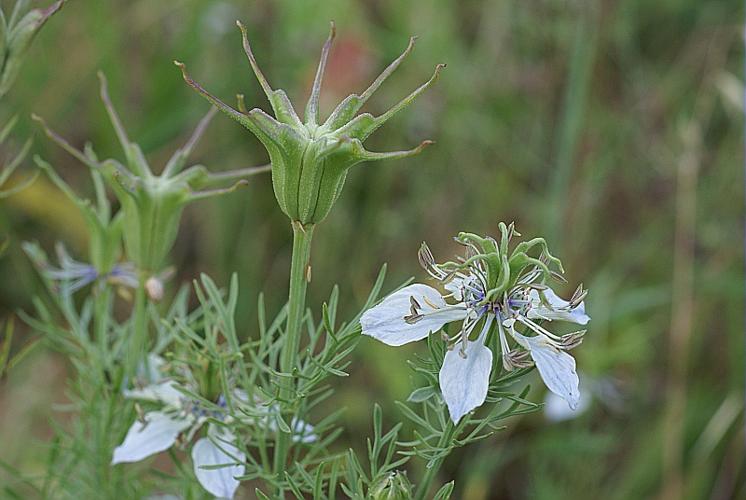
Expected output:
(164, 392)
(557, 308)
(556, 367)
(303, 432)
(154, 369)
(157, 434)
(464, 381)
(556, 409)
(385, 321)
(220, 482)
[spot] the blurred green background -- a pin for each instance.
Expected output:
(612, 127)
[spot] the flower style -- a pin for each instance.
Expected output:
(310, 159)
(499, 290)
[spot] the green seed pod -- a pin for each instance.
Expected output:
(309, 159)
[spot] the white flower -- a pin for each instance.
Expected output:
(416, 311)
(158, 430)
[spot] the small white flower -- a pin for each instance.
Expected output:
(159, 430)
(72, 275)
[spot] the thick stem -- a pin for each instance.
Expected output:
(299, 277)
(424, 487)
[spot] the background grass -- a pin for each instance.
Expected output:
(604, 125)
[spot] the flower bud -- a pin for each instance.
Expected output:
(395, 486)
(154, 288)
(309, 159)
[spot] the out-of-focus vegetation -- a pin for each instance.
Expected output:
(613, 127)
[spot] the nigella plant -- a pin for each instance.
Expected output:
(254, 406)
(492, 292)
(310, 159)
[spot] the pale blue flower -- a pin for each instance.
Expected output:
(180, 415)
(159, 430)
(414, 312)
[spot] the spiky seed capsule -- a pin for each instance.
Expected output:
(310, 159)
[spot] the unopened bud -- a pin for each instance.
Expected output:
(394, 486)
(154, 288)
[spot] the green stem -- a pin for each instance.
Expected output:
(99, 411)
(432, 471)
(101, 300)
(299, 277)
(140, 334)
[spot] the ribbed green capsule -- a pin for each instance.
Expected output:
(310, 160)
